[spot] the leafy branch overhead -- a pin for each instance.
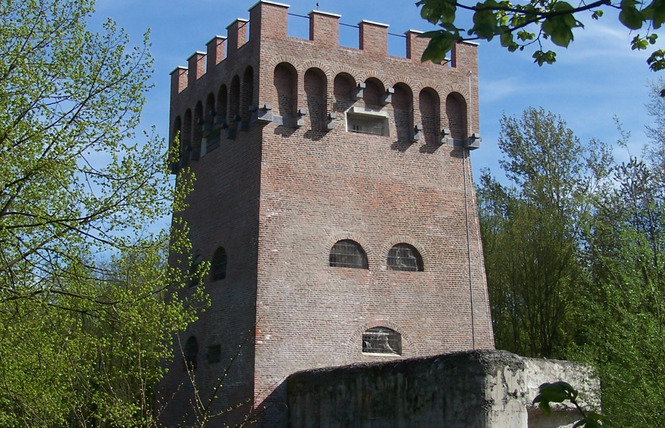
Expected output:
(526, 24)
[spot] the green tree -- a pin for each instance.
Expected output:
(530, 234)
(97, 362)
(69, 101)
(80, 340)
(526, 24)
(624, 307)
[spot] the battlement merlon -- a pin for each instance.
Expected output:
(237, 36)
(373, 38)
(464, 54)
(324, 28)
(178, 80)
(216, 51)
(269, 20)
(196, 67)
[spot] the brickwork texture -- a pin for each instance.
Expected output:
(280, 178)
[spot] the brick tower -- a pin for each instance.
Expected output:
(334, 201)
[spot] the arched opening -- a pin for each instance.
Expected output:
(403, 111)
(195, 271)
(404, 257)
(218, 269)
(430, 114)
(234, 104)
(373, 93)
(186, 138)
(348, 253)
(456, 114)
(175, 151)
(247, 97)
(197, 133)
(315, 89)
(191, 354)
(210, 129)
(343, 87)
(370, 119)
(285, 80)
(382, 340)
(222, 105)
(176, 133)
(210, 111)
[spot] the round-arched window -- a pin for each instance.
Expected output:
(404, 257)
(348, 253)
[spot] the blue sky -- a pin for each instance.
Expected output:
(596, 78)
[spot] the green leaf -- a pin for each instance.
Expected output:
(638, 43)
(655, 12)
(657, 60)
(485, 23)
(560, 27)
(562, 36)
(556, 392)
(524, 35)
(541, 57)
(438, 11)
(545, 408)
(441, 43)
(630, 16)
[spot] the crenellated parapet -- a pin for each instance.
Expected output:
(269, 20)
(257, 75)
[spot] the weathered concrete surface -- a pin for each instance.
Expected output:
(469, 389)
(580, 376)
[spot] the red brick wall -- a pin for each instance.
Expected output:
(277, 198)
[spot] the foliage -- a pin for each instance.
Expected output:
(80, 339)
(574, 256)
(519, 25)
(529, 234)
(101, 356)
(560, 392)
(69, 98)
(624, 310)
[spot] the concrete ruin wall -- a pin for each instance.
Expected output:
(474, 389)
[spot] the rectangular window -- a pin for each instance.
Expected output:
(362, 121)
(214, 354)
(382, 340)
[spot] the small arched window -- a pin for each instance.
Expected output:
(382, 340)
(315, 89)
(456, 113)
(343, 89)
(430, 114)
(285, 79)
(176, 151)
(219, 264)
(405, 257)
(186, 137)
(222, 106)
(191, 353)
(195, 271)
(348, 253)
(247, 96)
(197, 130)
(234, 105)
(403, 110)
